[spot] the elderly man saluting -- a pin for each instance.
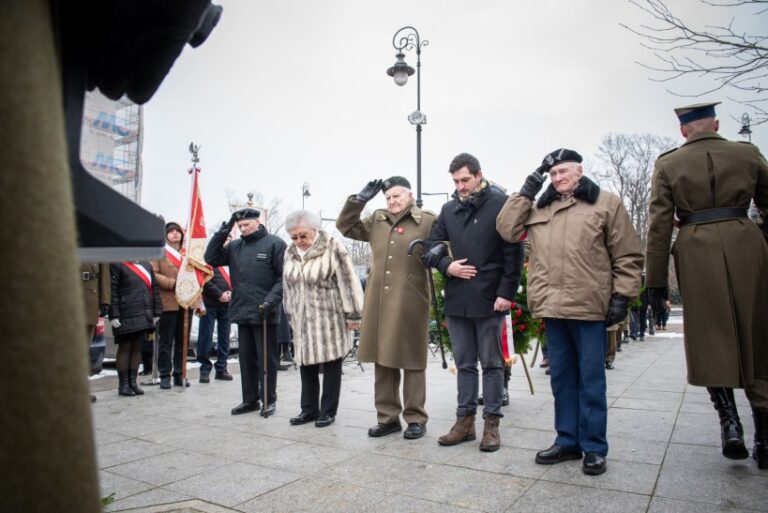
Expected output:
(255, 263)
(396, 309)
(585, 266)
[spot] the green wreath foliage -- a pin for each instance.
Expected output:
(525, 328)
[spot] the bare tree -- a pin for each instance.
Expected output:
(627, 168)
(728, 58)
(274, 217)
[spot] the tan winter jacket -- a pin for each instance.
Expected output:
(165, 273)
(583, 249)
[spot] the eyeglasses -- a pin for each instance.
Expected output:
(302, 236)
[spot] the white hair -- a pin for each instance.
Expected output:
(305, 217)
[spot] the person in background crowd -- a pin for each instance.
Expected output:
(135, 307)
(324, 301)
(482, 276)
(96, 299)
(217, 293)
(255, 263)
(721, 259)
(171, 328)
(639, 314)
(585, 266)
(394, 332)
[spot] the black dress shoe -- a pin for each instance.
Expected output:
(165, 382)
(384, 429)
(324, 420)
(556, 454)
(609, 365)
(205, 378)
(302, 418)
(504, 397)
(594, 464)
(414, 431)
(269, 410)
(245, 408)
(224, 375)
(178, 382)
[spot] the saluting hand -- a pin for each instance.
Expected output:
(370, 190)
(458, 269)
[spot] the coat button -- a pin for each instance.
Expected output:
(386, 287)
(390, 257)
(387, 272)
(391, 242)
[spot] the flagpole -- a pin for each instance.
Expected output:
(193, 149)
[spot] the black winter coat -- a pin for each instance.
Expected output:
(256, 268)
(132, 301)
(470, 227)
(214, 288)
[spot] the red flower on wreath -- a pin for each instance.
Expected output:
(521, 327)
(518, 312)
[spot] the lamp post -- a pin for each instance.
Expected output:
(407, 39)
(304, 193)
(746, 131)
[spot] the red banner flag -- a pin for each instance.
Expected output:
(194, 272)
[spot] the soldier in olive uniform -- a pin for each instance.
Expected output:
(396, 311)
(721, 260)
(96, 299)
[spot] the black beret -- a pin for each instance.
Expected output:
(394, 181)
(246, 213)
(560, 156)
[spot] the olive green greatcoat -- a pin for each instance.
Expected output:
(722, 267)
(96, 292)
(397, 297)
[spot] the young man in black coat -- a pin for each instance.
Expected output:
(255, 263)
(482, 278)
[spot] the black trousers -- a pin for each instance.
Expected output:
(250, 339)
(169, 340)
(310, 388)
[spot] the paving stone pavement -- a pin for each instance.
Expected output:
(182, 451)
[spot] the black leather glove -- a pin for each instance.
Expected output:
(656, 296)
(617, 310)
(432, 257)
(371, 189)
(227, 226)
(265, 308)
(534, 182)
(103, 310)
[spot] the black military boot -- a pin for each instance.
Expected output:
(132, 382)
(760, 450)
(124, 386)
(731, 431)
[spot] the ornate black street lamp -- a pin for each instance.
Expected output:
(304, 193)
(746, 131)
(407, 39)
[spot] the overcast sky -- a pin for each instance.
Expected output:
(293, 91)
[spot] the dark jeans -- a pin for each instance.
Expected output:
(251, 347)
(474, 339)
(171, 328)
(577, 366)
(214, 314)
(310, 388)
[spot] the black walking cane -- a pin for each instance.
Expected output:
(264, 362)
(435, 307)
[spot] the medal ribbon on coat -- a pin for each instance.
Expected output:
(142, 273)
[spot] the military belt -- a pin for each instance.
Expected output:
(90, 276)
(713, 215)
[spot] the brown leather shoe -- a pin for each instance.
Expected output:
(462, 431)
(491, 440)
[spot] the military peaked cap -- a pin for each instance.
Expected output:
(246, 213)
(695, 112)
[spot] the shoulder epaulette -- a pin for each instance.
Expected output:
(667, 152)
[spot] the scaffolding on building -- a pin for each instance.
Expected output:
(111, 143)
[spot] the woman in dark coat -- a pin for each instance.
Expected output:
(135, 305)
